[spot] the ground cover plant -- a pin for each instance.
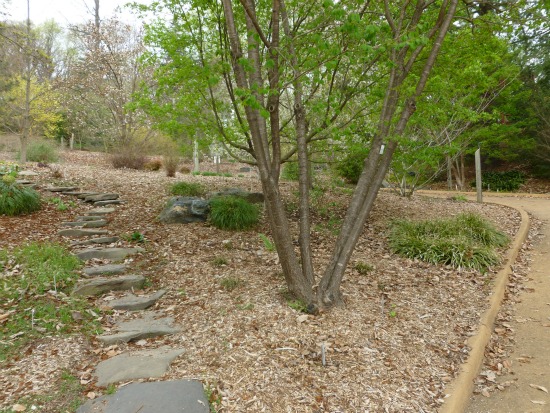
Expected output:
(43, 152)
(233, 213)
(465, 241)
(187, 189)
(16, 199)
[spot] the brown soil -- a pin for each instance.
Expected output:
(394, 346)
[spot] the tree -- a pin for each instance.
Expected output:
(298, 73)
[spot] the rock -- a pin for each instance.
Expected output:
(115, 254)
(245, 169)
(76, 193)
(23, 182)
(252, 197)
(104, 269)
(83, 195)
(100, 285)
(95, 224)
(101, 197)
(139, 328)
(110, 202)
(100, 211)
(162, 396)
(133, 303)
(183, 210)
(61, 188)
(139, 365)
(102, 240)
(77, 233)
(27, 173)
(89, 218)
(72, 224)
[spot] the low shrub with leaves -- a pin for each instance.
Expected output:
(290, 171)
(37, 297)
(131, 158)
(153, 165)
(351, 166)
(187, 189)
(42, 152)
(233, 213)
(501, 181)
(16, 199)
(465, 241)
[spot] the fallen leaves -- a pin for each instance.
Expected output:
(541, 388)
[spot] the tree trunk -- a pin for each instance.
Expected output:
(24, 139)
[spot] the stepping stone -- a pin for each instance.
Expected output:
(132, 302)
(102, 240)
(139, 365)
(27, 173)
(109, 202)
(105, 269)
(23, 182)
(76, 193)
(83, 195)
(115, 254)
(61, 188)
(139, 328)
(94, 224)
(100, 211)
(161, 396)
(101, 197)
(72, 224)
(100, 285)
(89, 218)
(77, 233)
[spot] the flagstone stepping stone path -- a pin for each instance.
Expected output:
(151, 397)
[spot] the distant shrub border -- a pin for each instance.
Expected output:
(507, 181)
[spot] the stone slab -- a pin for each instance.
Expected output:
(100, 285)
(132, 302)
(83, 195)
(76, 193)
(23, 182)
(104, 269)
(115, 254)
(177, 396)
(101, 240)
(100, 211)
(109, 202)
(151, 324)
(27, 173)
(72, 224)
(89, 218)
(95, 224)
(139, 365)
(77, 233)
(101, 197)
(61, 188)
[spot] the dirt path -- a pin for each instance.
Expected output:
(532, 338)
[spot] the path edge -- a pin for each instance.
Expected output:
(458, 393)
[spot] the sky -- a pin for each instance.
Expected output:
(65, 12)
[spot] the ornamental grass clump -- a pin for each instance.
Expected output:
(187, 189)
(233, 213)
(465, 241)
(16, 199)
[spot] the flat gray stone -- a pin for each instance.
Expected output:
(76, 193)
(72, 224)
(89, 218)
(83, 195)
(100, 285)
(140, 365)
(110, 202)
(101, 197)
(77, 233)
(132, 302)
(61, 188)
(179, 396)
(23, 182)
(151, 324)
(100, 211)
(27, 173)
(115, 254)
(104, 269)
(101, 240)
(95, 224)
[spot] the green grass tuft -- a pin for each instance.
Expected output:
(233, 213)
(466, 241)
(42, 152)
(17, 200)
(187, 189)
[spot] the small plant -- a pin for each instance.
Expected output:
(213, 396)
(393, 311)
(363, 268)
(42, 152)
(219, 261)
(268, 244)
(8, 168)
(170, 163)
(61, 206)
(135, 236)
(231, 283)
(233, 213)
(187, 189)
(298, 305)
(17, 200)
(459, 198)
(111, 389)
(245, 307)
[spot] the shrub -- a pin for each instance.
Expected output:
(42, 152)
(290, 171)
(130, 158)
(465, 241)
(17, 200)
(351, 166)
(187, 189)
(185, 170)
(501, 181)
(233, 213)
(153, 165)
(171, 164)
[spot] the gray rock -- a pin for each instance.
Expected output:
(100, 211)
(104, 269)
(151, 324)
(132, 302)
(27, 173)
(115, 254)
(110, 202)
(72, 224)
(23, 182)
(61, 188)
(101, 197)
(180, 396)
(83, 195)
(183, 210)
(140, 365)
(77, 233)
(102, 240)
(252, 197)
(245, 169)
(76, 193)
(100, 285)
(89, 218)
(95, 224)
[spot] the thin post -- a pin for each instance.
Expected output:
(478, 176)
